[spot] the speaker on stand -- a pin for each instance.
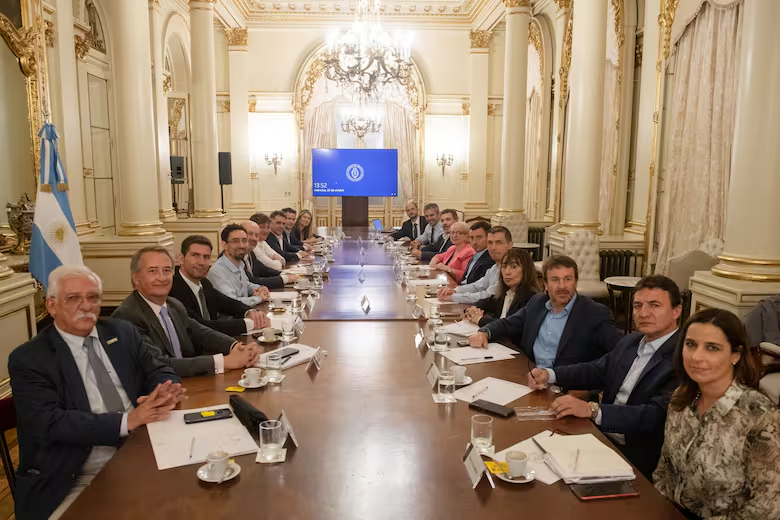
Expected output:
(177, 177)
(225, 175)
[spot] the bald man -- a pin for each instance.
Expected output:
(256, 270)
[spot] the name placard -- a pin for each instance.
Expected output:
(475, 468)
(287, 428)
(432, 375)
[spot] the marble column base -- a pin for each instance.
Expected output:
(17, 319)
(737, 296)
(567, 228)
(208, 227)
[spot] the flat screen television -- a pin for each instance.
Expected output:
(348, 172)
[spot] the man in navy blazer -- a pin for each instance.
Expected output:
(80, 386)
(278, 241)
(558, 328)
(481, 261)
(414, 226)
(637, 378)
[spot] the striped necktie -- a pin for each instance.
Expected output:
(170, 331)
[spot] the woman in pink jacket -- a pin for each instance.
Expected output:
(455, 260)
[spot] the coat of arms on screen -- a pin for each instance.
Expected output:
(355, 172)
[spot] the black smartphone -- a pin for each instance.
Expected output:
(601, 490)
(463, 343)
(207, 415)
(288, 352)
(493, 408)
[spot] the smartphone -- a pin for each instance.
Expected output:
(493, 408)
(600, 490)
(288, 352)
(207, 415)
(463, 343)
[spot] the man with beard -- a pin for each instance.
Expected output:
(558, 328)
(228, 275)
(413, 227)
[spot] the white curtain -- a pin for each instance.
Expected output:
(701, 129)
(400, 133)
(532, 130)
(607, 177)
(319, 131)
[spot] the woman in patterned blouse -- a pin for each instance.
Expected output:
(721, 452)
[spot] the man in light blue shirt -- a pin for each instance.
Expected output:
(227, 275)
(499, 242)
(549, 336)
(434, 229)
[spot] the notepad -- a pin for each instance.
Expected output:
(303, 356)
(471, 355)
(583, 458)
(436, 301)
(285, 296)
(462, 328)
(494, 390)
(428, 282)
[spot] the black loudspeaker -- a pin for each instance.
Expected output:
(177, 170)
(225, 170)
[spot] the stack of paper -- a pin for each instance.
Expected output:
(432, 282)
(436, 301)
(462, 328)
(493, 390)
(285, 296)
(303, 356)
(472, 355)
(583, 458)
(296, 269)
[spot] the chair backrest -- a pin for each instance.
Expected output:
(682, 267)
(583, 248)
(548, 231)
(516, 223)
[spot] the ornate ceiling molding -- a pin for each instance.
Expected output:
(517, 3)
(237, 37)
(480, 39)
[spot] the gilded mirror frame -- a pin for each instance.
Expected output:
(28, 45)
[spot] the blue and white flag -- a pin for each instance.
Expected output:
(54, 240)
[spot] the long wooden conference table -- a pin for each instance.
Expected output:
(373, 444)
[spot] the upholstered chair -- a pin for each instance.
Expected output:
(682, 267)
(549, 230)
(583, 248)
(516, 223)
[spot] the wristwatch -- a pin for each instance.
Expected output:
(594, 410)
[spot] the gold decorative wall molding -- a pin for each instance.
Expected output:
(492, 108)
(480, 39)
(564, 4)
(638, 56)
(535, 39)
(665, 21)
(252, 105)
(176, 111)
(517, 3)
(166, 85)
(225, 105)
(566, 61)
(237, 37)
(82, 47)
(49, 33)
(466, 107)
(617, 6)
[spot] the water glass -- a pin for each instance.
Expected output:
(481, 432)
(447, 386)
(410, 292)
(297, 304)
(440, 340)
(434, 316)
(273, 366)
(287, 328)
(271, 439)
(317, 281)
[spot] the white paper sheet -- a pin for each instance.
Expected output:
(429, 282)
(171, 439)
(498, 391)
(584, 458)
(305, 354)
(471, 355)
(285, 296)
(436, 301)
(543, 472)
(462, 328)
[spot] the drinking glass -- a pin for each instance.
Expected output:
(297, 304)
(481, 432)
(410, 292)
(434, 316)
(440, 340)
(273, 366)
(447, 386)
(287, 328)
(271, 439)
(317, 280)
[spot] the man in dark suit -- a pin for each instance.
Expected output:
(191, 349)
(289, 223)
(413, 227)
(558, 328)
(80, 386)
(481, 261)
(203, 302)
(637, 378)
(257, 271)
(448, 218)
(277, 239)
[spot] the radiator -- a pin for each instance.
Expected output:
(536, 236)
(615, 262)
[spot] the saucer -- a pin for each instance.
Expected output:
(466, 381)
(262, 383)
(528, 477)
(309, 292)
(233, 471)
(262, 339)
(278, 310)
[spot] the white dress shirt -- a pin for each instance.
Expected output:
(485, 287)
(280, 238)
(268, 256)
(510, 295)
(195, 288)
(219, 359)
(431, 234)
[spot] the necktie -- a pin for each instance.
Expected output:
(468, 267)
(444, 246)
(248, 262)
(106, 387)
(170, 331)
(414, 231)
(204, 308)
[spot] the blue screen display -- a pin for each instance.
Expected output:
(354, 172)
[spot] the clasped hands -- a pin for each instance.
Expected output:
(157, 405)
(473, 314)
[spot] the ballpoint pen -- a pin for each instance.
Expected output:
(576, 461)
(480, 392)
(473, 358)
(192, 445)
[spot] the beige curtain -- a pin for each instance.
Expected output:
(532, 130)
(319, 131)
(608, 177)
(400, 132)
(701, 129)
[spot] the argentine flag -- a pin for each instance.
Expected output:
(54, 240)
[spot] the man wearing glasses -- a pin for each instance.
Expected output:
(227, 275)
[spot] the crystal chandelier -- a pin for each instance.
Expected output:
(364, 61)
(360, 126)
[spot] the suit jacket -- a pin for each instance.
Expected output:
(643, 417)
(272, 241)
(589, 333)
(407, 231)
(481, 266)
(290, 242)
(457, 260)
(261, 274)
(217, 303)
(493, 306)
(198, 342)
(431, 250)
(56, 426)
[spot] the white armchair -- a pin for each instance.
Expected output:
(545, 246)
(516, 223)
(682, 267)
(583, 248)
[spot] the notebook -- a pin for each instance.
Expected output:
(583, 459)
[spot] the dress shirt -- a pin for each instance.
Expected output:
(268, 256)
(280, 238)
(510, 295)
(485, 287)
(231, 280)
(549, 336)
(195, 287)
(473, 262)
(219, 359)
(431, 234)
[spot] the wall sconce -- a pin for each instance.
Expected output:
(444, 160)
(275, 160)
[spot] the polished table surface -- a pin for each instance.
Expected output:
(373, 444)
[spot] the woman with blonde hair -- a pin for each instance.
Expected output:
(302, 229)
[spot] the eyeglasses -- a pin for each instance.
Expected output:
(74, 300)
(458, 233)
(238, 241)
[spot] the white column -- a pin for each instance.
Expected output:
(135, 121)
(513, 134)
(586, 109)
(478, 120)
(163, 144)
(561, 20)
(203, 109)
(752, 232)
(66, 116)
(242, 203)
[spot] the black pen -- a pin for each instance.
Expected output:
(473, 358)
(285, 359)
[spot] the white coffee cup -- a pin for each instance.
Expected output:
(459, 373)
(218, 463)
(276, 303)
(518, 463)
(302, 283)
(252, 376)
(269, 334)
